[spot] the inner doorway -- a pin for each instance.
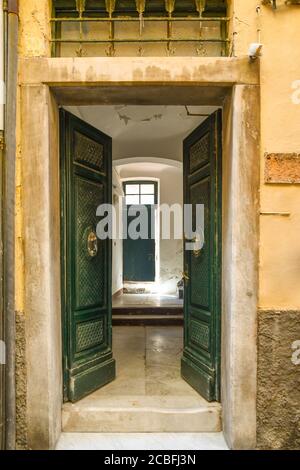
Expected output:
(201, 315)
(139, 254)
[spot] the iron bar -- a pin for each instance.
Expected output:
(170, 7)
(80, 6)
(109, 17)
(140, 6)
(137, 19)
(135, 40)
(200, 10)
(110, 8)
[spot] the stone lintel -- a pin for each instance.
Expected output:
(214, 71)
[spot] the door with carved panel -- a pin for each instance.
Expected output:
(200, 365)
(86, 159)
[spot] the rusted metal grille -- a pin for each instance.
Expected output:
(139, 27)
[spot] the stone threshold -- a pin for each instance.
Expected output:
(142, 414)
(142, 441)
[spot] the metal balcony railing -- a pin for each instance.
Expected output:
(139, 27)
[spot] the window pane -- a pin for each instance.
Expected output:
(132, 188)
(132, 200)
(147, 189)
(148, 199)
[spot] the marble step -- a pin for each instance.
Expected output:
(135, 414)
(142, 441)
(147, 320)
(147, 316)
(144, 310)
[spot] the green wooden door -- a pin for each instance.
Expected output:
(202, 185)
(86, 160)
(139, 254)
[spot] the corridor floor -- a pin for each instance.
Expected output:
(148, 394)
(148, 364)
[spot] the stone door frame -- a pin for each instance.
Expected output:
(47, 83)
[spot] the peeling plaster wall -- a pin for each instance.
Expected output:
(35, 30)
(278, 380)
(21, 384)
(243, 27)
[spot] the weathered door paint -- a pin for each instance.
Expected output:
(202, 185)
(86, 159)
(139, 255)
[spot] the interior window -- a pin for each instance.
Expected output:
(140, 193)
(132, 199)
(147, 199)
(147, 188)
(132, 189)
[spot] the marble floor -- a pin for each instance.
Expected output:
(154, 441)
(147, 300)
(148, 394)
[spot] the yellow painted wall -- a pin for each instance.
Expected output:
(280, 124)
(280, 236)
(34, 28)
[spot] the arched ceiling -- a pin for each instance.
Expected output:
(144, 131)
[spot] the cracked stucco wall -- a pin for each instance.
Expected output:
(21, 365)
(278, 380)
(34, 28)
(21, 383)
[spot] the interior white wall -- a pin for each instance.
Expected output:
(171, 192)
(117, 248)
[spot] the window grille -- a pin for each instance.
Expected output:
(139, 27)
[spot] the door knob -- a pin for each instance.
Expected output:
(92, 244)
